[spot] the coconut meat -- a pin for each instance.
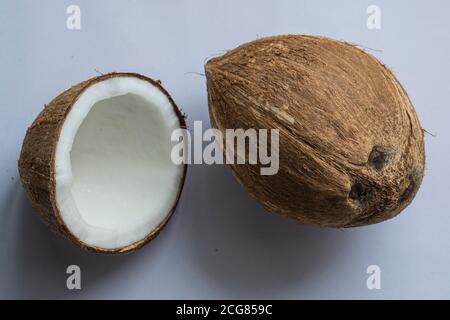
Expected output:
(115, 181)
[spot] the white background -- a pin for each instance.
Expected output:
(221, 244)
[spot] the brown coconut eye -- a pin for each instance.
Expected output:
(359, 192)
(378, 158)
(411, 185)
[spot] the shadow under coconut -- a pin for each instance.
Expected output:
(36, 259)
(248, 251)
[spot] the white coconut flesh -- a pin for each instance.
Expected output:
(115, 181)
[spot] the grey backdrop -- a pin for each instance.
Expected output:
(221, 244)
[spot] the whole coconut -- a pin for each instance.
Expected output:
(351, 148)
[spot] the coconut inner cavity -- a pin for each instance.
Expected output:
(115, 180)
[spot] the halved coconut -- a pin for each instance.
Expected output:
(96, 162)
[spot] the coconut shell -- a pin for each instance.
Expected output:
(37, 161)
(351, 148)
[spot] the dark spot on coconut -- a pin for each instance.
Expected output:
(359, 192)
(378, 157)
(409, 189)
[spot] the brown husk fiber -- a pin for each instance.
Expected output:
(351, 145)
(37, 160)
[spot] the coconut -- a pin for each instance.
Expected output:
(96, 162)
(351, 148)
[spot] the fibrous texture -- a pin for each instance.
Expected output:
(351, 147)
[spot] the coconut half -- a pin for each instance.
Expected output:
(96, 162)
